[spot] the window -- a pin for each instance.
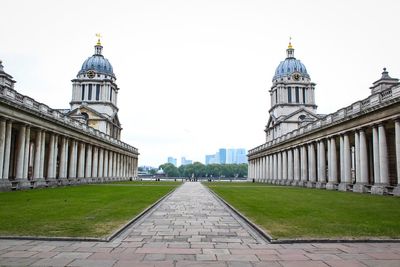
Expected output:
(97, 91)
(276, 96)
(297, 94)
(289, 90)
(111, 93)
(304, 95)
(83, 91)
(90, 92)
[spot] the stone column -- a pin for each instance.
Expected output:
(375, 147)
(322, 165)
(290, 164)
(50, 161)
(341, 164)
(284, 166)
(345, 179)
(381, 187)
(54, 170)
(357, 156)
(66, 157)
(7, 150)
(42, 155)
(81, 161)
(110, 164)
(275, 157)
(105, 171)
(396, 191)
(26, 153)
(38, 145)
(95, 162)
(333, 179)
(101, 162)
(63, 163)
(88, 169)
(363, 164)
(72, 160)
(296, 162)
(311, 165)
(20, 152)
(279, 156)
(2, 144)
(303, 162)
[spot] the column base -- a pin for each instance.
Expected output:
(302, 183)
(344, 187)
(331, 186)
(310, 184)
(360, 188)
(51, 182)
(21, 184)
(40, 183)
(396, 190)
(320, 185)
(379, 189)
(63, 181)
(5, 185)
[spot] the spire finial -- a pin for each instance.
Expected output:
(98, 38)
(290, 43)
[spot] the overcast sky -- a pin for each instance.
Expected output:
(194, 75)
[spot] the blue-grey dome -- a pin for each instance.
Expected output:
(290, 65)
(97, 63)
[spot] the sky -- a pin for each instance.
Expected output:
(194, 75)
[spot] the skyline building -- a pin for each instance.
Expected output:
(173, 161)
(229, 156)
(185, 161)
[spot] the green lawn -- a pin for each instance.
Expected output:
(76, 211)
(290, 212)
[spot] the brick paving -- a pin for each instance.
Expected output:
(192, 228)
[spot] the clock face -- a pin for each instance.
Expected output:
(296, 76)
(90, 74)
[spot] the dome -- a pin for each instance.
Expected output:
(290, 65)
(98, 63)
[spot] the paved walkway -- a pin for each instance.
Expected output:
(192, 228)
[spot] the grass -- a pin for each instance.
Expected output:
(290, 212)
(78, 211)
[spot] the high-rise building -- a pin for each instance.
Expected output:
(222, 155)
(173, 161)
(185, 161)
(229, 156)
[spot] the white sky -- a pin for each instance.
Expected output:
(194, 74)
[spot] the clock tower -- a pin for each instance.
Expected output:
(292, 97)
(94, 94)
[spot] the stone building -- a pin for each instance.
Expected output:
(356, 148)
(41, 146)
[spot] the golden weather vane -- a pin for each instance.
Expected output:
(290, 42)
(98, 40)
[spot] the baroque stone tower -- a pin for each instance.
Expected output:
(292, 97)
(94, 94)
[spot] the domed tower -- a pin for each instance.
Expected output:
(94, 94)
(292, 97)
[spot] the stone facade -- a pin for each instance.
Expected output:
(42, 147)
(356, 148)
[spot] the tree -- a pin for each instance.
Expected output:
(170, 170)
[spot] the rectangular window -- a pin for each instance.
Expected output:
(297, 94)
(90, 92)
(97, 91)
(304, 95)
(276, 96)
(83, 92)
(111, 94)
(289, 90)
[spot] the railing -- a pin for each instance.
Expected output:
(344, 113)
(31, 104)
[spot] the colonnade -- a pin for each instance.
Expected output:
(365, 159)
(31, 156)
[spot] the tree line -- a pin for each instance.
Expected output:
(198, 169)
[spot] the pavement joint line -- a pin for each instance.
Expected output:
(297, 240)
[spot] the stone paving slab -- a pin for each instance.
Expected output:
(193, 228)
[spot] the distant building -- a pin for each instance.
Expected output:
(228, 156)
(173, 161)
(222, 156)
(185, 161)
